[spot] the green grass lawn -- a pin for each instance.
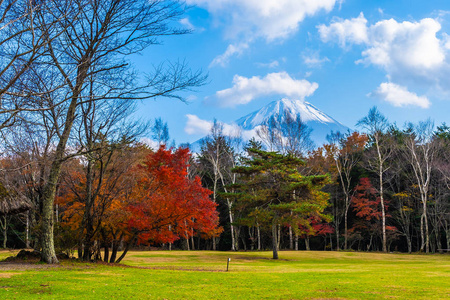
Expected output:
(252, 275)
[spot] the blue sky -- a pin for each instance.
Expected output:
(342, 56)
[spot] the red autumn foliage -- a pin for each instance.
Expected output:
(166, 205)
(367, 205)
(315, 227)
(152, 201)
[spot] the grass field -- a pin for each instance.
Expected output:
(252, 275)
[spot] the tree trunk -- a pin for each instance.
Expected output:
(230, 215)
(87, 222)
(331, 242)
(383, 212)
(408, 241)
(106, 258)
(307, 244)
(427, 235)
(296, 242)
(447, 234)
(49, 191)
(337, 237)
(4, 226)
(27, 231)
(346, 224)
(274, 240)
(170, 244)
(291, 239)
(279, 236)
(422, 236)
(115, 248)
(125, 251)
(47, 240)
(258, 231)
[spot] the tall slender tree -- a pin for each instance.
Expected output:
(376, 126)
(421, 150)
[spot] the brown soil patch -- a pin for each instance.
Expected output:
(7, 275)
(23, 266)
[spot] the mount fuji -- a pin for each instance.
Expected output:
(320, 123)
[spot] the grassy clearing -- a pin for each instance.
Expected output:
(252, 275)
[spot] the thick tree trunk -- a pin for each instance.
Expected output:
(49, 192)
(115, 248)
(307, 244)
(408, 241)
(106, 256)
(47, 240)
(125, 251)
(274, 240)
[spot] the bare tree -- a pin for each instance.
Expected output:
(26, 29)
(346, 150)
(421, 150)
(99, 37)
(286, 134)
(220, 152)
(376, 126)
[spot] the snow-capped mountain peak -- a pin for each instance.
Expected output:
(320, 123)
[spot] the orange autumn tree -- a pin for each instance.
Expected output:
(166, 205)
(152, 202)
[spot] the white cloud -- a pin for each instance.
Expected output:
(244, 89)
(232, 50)
(403, 45)
(353, 31)
(314, 60)
(399, 96)
(195, 125)
(270, 19)
(270, 65)
(186, 23)
(247, 20)
(401, 48)
(411, 53)
(151, 143)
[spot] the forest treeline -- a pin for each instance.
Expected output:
(387, 188)
(382, 190)
(74, 177)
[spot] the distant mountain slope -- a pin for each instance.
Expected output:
(320, 123)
